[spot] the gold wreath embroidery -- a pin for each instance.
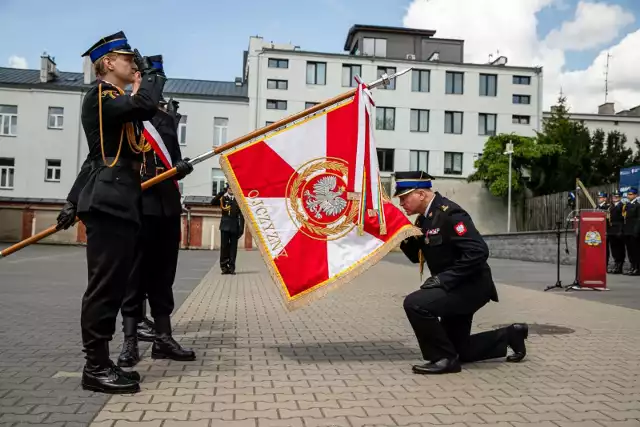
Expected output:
(111, 93)
(295, 187)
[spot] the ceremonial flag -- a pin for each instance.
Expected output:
(312, 198)
(154, 139)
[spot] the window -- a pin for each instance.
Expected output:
(420, 80)
(453, 163)
(488, 85)
(385, 159)
(419, 160)
(385, 118)
(455, 83)
(56, 117)
(278, 63)
(521, 99)
(181, 187)
(520, 120)
(182, 130)
(385, 182)
(453, 122)
(9, 120)
(274, 104)
(268, 123)
(419, 121)
(277, 84)
(316, 73)
(310, 104)
(349, 72)
(220, 126)
(521, 80)
(53, 170)
(374, 47)
(389, 71)
(486, 124)
(7, 169)
(217, 181)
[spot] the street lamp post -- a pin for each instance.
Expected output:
(509, 152)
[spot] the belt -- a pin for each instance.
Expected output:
(133, 164)
(150, 172)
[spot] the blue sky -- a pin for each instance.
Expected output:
(205, 39)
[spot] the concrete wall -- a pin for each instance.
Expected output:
(536, 246)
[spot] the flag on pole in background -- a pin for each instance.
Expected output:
(312, 198)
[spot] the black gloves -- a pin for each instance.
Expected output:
(183, 167)
(67, 216)
(431, 283)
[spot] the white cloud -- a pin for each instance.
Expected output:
(594, 25)
(510, 27)
(17, 62)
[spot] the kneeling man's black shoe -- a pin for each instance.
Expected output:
(442, 366)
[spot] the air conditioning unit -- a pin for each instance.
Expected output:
(411, 56)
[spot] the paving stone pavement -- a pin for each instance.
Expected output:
(346, 361)
(41, 289)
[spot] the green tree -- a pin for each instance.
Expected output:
(492, 167)
(557, 172)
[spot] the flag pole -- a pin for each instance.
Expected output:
(384, 80)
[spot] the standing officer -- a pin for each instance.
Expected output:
(156, 257)
(231, 229)
(460, 283)
(631, 231)
(615, 234)
(604, 205)
(107, 198)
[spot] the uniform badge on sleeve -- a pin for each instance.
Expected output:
(460, 229)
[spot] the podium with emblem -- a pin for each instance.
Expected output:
(592, 251)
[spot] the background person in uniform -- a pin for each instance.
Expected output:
(231, 229)
(603, 204)
(631, 231)
(156, 259)
(107, 198)
(460, 283)
(615, 235)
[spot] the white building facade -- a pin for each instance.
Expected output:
(436, 118)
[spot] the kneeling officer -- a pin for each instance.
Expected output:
(460, 283)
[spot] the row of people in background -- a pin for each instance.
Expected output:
(623, 231)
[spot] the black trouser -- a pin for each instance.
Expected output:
(154, 270)
(110, 254)
(228, 250)
(631, 244)
(451, 336)
(617, 248)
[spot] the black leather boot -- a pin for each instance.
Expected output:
(516, 335)
(130, 354)
(146, 330)
(102, 376)
(165, 347)
(617, 268)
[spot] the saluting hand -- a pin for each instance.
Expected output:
(136, 83)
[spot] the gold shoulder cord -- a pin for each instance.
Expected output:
(227, 208)
(137, 147)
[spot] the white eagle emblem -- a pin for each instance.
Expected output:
(325, 197)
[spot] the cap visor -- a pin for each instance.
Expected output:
(403, 192)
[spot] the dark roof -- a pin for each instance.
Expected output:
(75, 81)
(382, 29)
(197, 200)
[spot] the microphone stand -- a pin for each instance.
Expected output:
(558, 283)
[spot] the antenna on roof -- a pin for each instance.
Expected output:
(606, 79)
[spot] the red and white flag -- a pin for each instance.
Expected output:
(312, 198)
(154, 139)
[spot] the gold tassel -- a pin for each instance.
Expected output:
(383, 229)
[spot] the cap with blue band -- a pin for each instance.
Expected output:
(408, 181)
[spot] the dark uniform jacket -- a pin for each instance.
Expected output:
(616, 220)
(631, 225)
(162, 199)
(232, 220)
(115, 191)
(453, 249)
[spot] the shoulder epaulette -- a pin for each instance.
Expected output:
(443, 208)
(110, 92)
